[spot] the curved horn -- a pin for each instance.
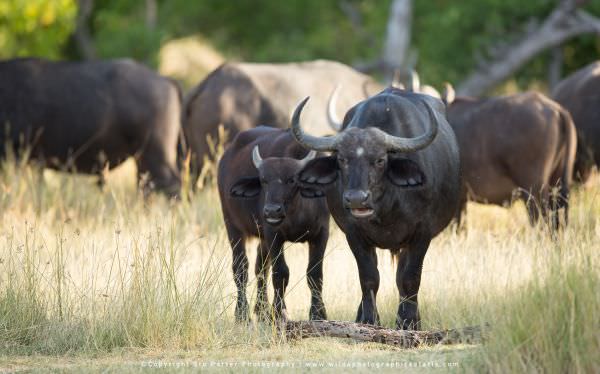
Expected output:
(395, 83)
(334, 121)
(431, 91)
(400, 144)
(365, 88)
(448, 95)
(414, 84)
(323, 144)
(312, 154)
(256, 159)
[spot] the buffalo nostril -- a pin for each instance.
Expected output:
(273, 208)
(356, 196)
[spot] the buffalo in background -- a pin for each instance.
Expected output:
(241, 96)
(88, 116)
(520, 146)
(392, 182)
(580, 95)
(261, 197)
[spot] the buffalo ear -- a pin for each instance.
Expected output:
(311, 193)
(318, 172)
(245, 187)
(405, 173)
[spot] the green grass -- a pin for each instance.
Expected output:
(98, 280)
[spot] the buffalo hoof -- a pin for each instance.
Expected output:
(408, 324)
(281, 315)
(317, 313)
(368, 318)
(241, 313)
(263, 312)
(369, 321)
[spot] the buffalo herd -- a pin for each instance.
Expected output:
(393, 172)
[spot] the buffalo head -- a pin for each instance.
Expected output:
(364, 156)
(277, 181)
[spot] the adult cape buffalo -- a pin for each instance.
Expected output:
(85, 116)
(240, 96)
(580, 95)
(392, 181)
(520, 146)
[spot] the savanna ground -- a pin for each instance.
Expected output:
(100, 280)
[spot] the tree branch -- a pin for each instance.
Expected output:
(566, 21)
(397, 39)
(83, 39)
(369, 333)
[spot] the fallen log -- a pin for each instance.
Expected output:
(370, 333)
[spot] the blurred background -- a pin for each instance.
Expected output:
(481, 46)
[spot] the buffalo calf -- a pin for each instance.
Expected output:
(260, 197)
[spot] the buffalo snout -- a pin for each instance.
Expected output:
(356, 198)
(273, 213)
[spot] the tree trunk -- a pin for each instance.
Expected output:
(397, 39)
(151, 14)
(83, 39)
(565, 22)
(369, 333)
(555, 67)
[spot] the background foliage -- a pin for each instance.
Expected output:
(35, 27)
(447, 34)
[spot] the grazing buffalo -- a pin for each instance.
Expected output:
(88, 116)
(240, 96)
(260, 197)
(521, 146)
(580, 95)
(392, 181)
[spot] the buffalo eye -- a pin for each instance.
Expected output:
(290, 181)
(380, 162)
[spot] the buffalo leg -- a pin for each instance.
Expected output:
(261, 270)
(240, 272)
(554, 212)
(366, 260)
(461, 211)
(562, 202)
(532, 205)
(314, 275)
(281, 278)
(408, 280)
(162, 172)
(559, 198)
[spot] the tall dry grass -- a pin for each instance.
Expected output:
(85, 271)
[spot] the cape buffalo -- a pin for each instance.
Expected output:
(240, 96)
(85, 116)
(521, 145)
(392, 181)
(580, 95)
(260, 197)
